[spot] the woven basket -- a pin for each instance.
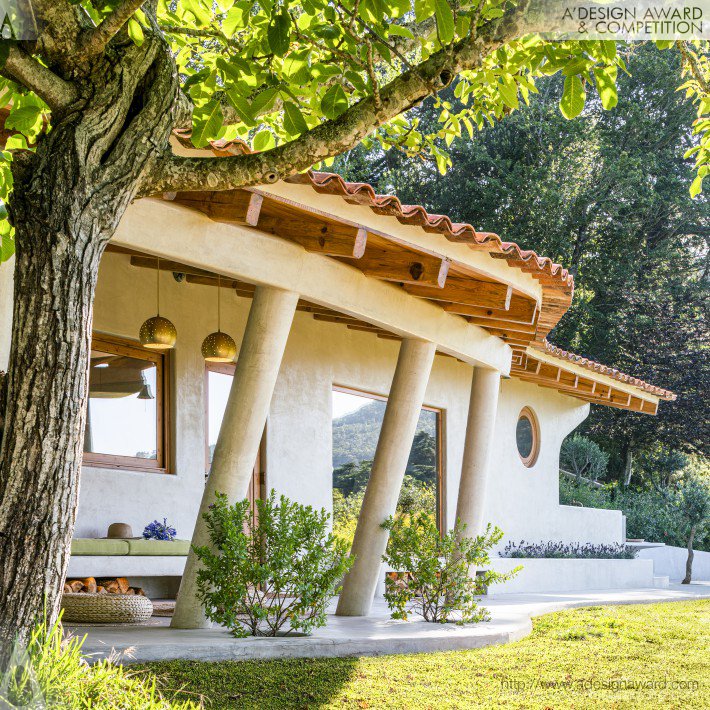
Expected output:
(106, 608)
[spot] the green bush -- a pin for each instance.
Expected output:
(583, 457)
(415, 497)
(582, 494)
(281, 568)
(434, 572)
(54, 673)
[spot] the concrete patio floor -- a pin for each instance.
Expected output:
(374, 635)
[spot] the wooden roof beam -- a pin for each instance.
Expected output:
(470, 292)
(406, 267)
(230, 206)
(521, 310)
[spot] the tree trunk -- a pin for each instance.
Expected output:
(68, 200)
(628, 466)
(689, 561)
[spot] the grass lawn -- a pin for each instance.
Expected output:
(573, 659)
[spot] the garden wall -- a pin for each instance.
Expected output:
(670, 562)
(571, 575)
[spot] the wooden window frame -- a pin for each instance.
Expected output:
(258, 483)
(440, 452)
(531, 459)
(132, 348)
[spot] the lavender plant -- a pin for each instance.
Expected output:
(159, 531)
(568, 550)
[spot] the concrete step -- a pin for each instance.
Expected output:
(661, 581)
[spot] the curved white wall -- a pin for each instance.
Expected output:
(523, 502)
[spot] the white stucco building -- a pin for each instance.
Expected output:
(346, 289)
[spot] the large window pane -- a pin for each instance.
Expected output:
(218, 386)
(122, 414)
(357, 420)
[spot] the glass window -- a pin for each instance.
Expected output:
(527, 436)
(357, 420)
(219, 382)
(125, 413)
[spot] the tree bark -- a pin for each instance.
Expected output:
(68, 199)
(628, 466)
(689, 561)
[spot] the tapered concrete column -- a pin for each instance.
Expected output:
(482, 409)
(393, 447)
(260, 355)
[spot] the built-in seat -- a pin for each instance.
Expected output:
(103, 557)
(101, 547)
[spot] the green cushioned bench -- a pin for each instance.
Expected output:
(100, 547)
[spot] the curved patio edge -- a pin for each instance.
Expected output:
(374, 635)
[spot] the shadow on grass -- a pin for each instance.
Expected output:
(292, 683)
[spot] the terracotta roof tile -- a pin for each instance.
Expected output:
(615, 374)
(363, 194)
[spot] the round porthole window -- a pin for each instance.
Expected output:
(527, 436)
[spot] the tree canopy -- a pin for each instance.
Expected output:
(608, 196)
(300, 82)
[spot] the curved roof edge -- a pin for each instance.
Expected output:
(612, 372)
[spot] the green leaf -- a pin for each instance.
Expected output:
(606, 86)
(279, 33)
(509, 93)
(334, 102)
(201, 14)
(424, 9)
(573, 97)
(135, 32)
(263, 140)
(696, 187)
(23, 119)
(207, 120)
(242, 107)
(444, 20)
(7, 244)
(16, 142)
(263, 101)
(400, 31)
(294, 122)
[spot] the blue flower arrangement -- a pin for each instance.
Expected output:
(159, 531)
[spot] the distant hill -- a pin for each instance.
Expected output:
(355, 434)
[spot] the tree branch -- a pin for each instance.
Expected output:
(25, 70)
(177, 173)
(94, 42)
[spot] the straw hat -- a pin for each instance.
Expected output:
(119, 531)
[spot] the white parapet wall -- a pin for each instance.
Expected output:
(670, 562)
(571, 575)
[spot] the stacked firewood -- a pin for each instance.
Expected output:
(91, 585)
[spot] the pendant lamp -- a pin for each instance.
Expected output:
(218, 346)
(158, 333)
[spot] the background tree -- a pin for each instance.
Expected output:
(607, 195)
(694, 500)
(300, 81)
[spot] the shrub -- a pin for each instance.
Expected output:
(583, 457)
(565, 550)
(434, 571)
(53, 673)
(573, 493)
(261, 574)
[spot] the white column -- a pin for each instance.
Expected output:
(258, 364)
(382, 492)
(478, 446)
